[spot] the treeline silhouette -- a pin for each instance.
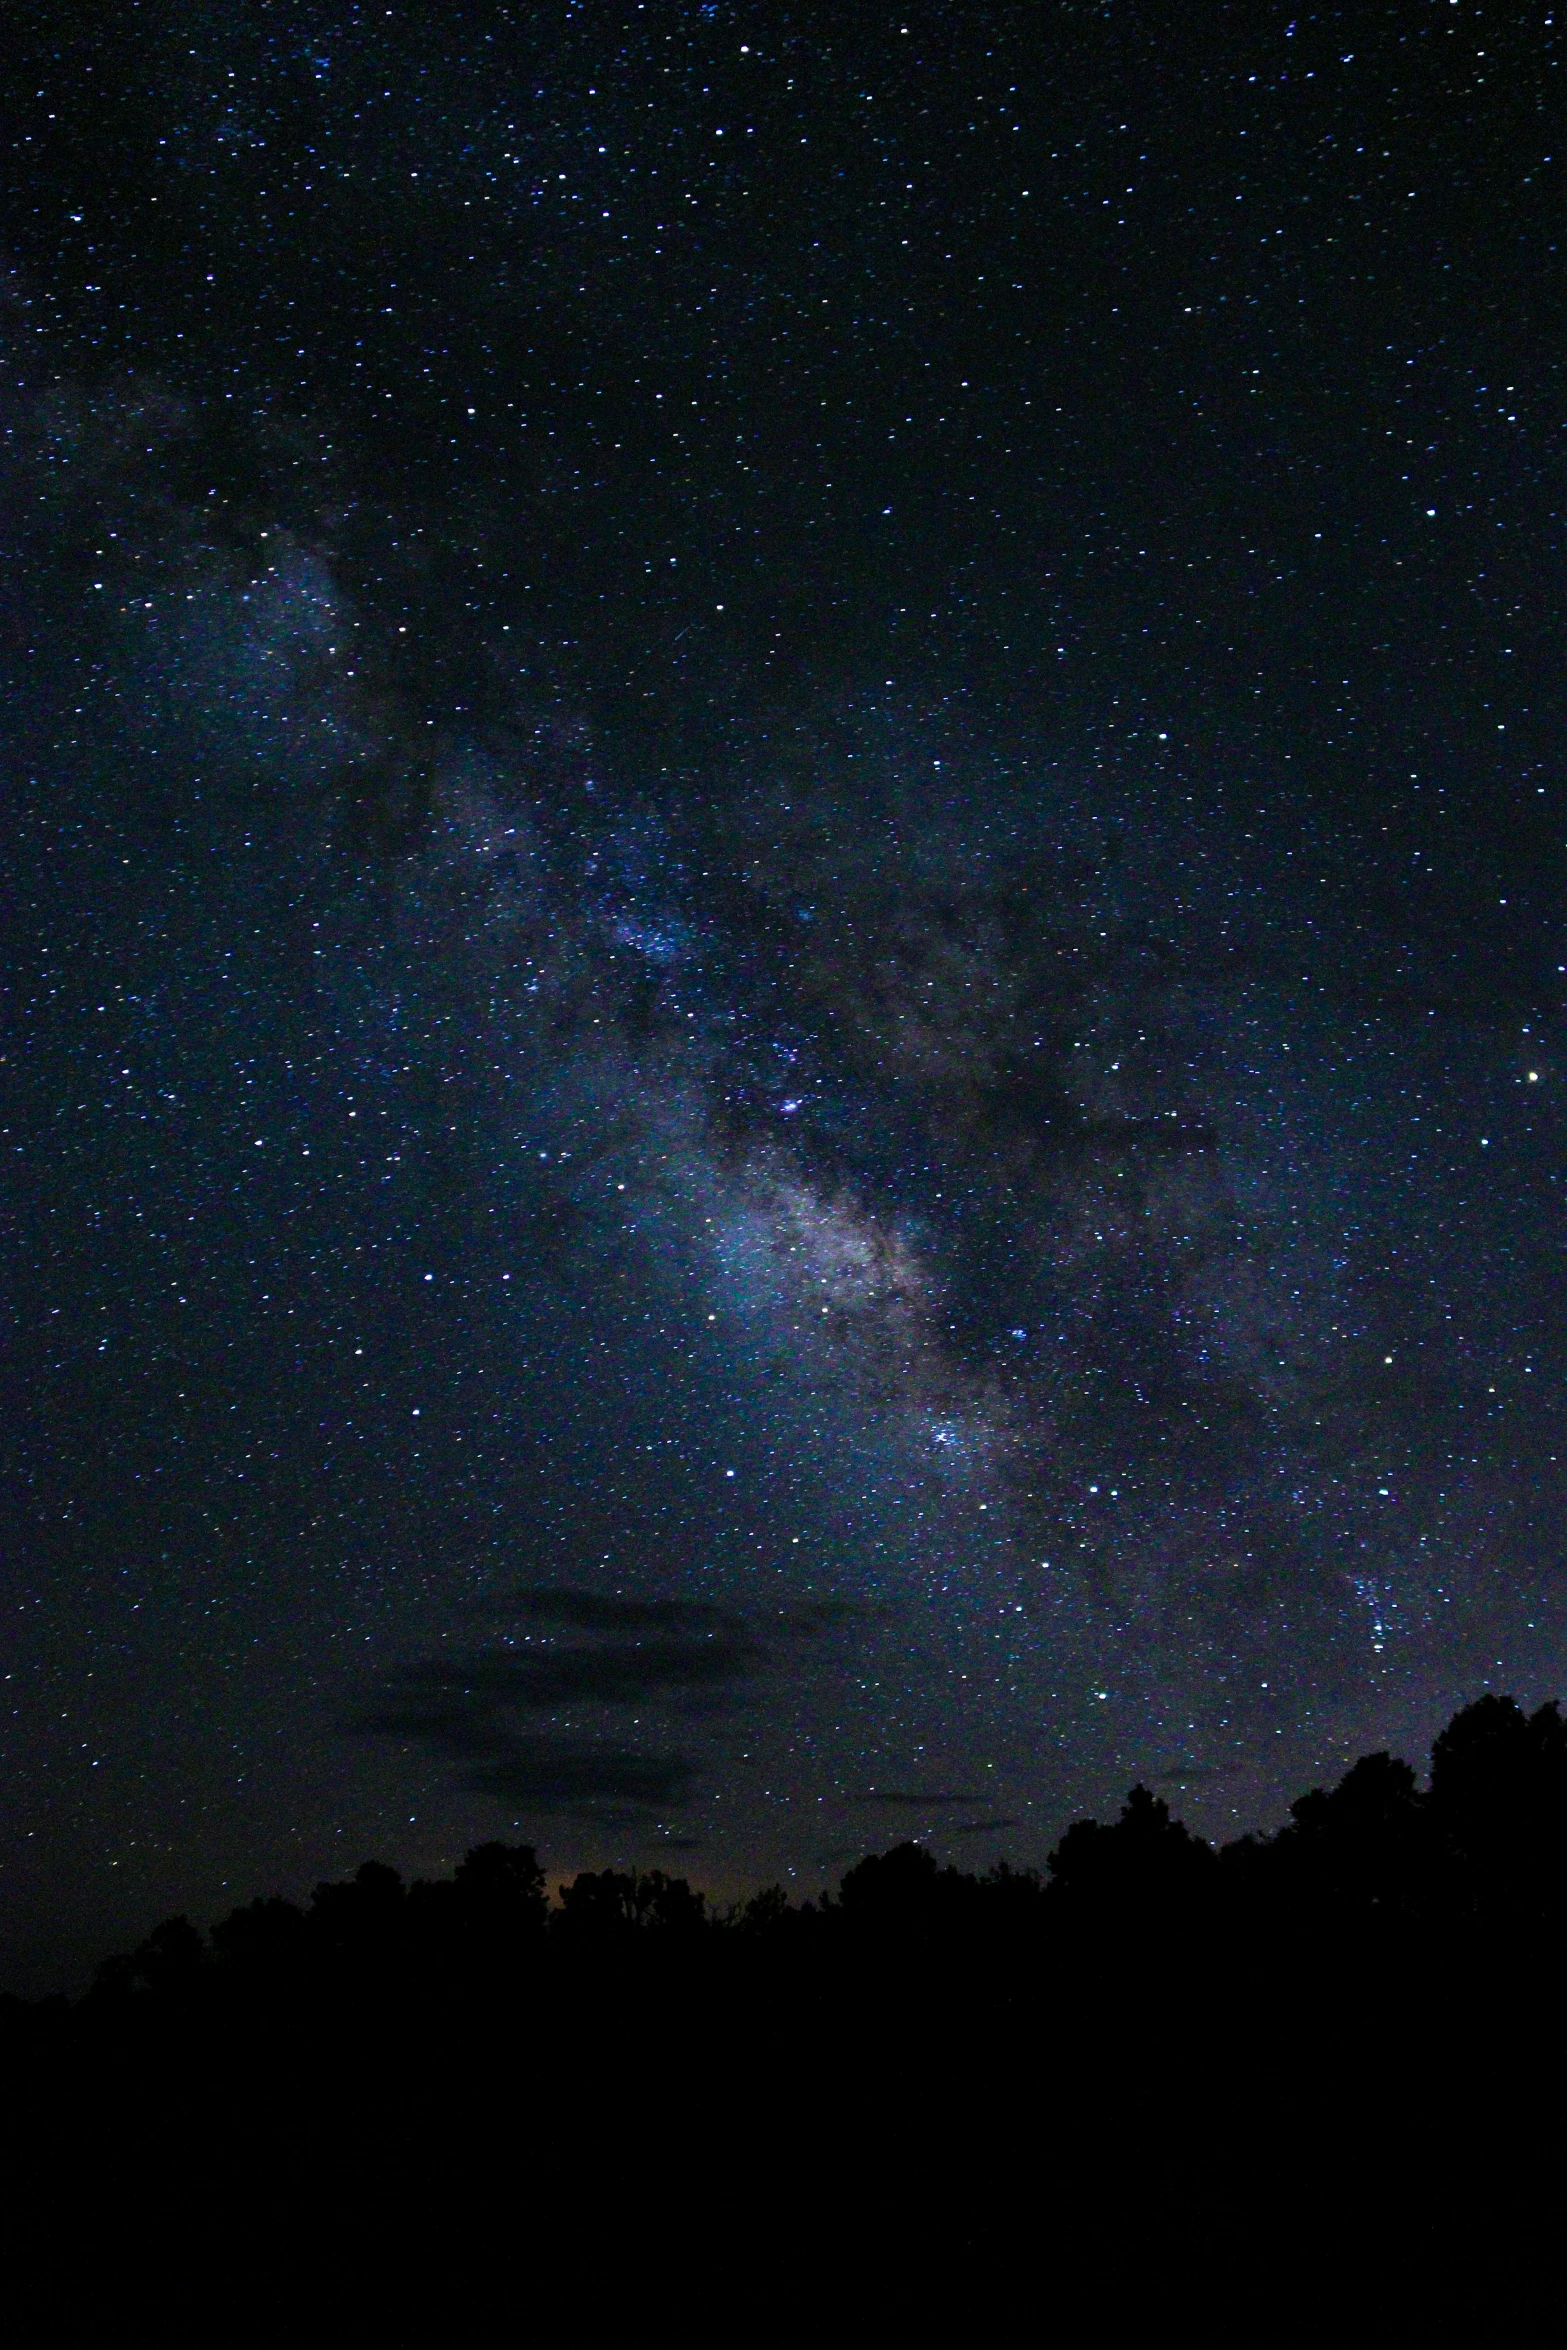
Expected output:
(1478, 1860)
(1319, 2061)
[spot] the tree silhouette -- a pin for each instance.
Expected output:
(1145, 1861)
(900, 1888)
(1362, 1849)
(1499, 1802)
(265, 1937)
(167, 1965)
(600, 1909)
(503, 1884)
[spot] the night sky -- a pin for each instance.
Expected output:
(783, 927)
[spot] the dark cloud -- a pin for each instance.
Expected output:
(979, 1827)
(532, 1768)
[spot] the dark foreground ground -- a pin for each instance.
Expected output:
(1241, 2131)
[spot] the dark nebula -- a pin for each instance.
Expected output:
(783, 927)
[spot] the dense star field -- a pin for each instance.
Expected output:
(783, 927)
